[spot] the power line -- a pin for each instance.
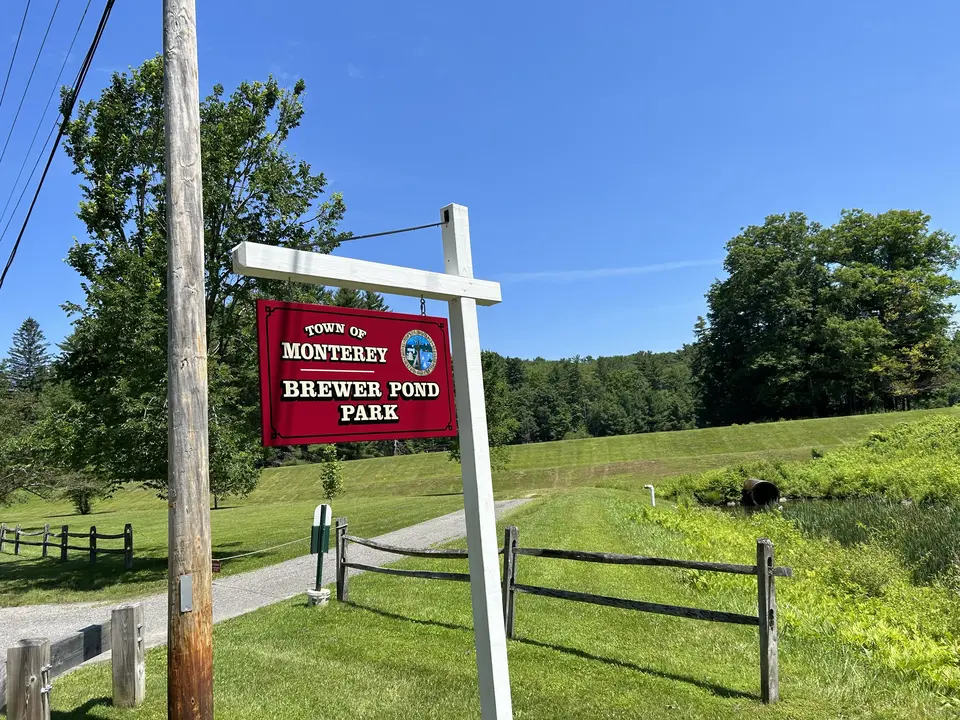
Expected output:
(23, 191)
(15, 48)
(29, 80)
(81, 76)
(36, 133)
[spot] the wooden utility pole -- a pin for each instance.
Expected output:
(190, 607)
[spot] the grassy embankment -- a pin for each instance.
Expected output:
(387, 493)
(857, 639)
(916, 461)
(899, 488)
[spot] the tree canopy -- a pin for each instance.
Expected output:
(253, 189)
(815, 321)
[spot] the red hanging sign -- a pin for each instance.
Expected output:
(331, 374)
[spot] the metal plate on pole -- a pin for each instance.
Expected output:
(186, 593)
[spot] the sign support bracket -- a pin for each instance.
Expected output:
(463, 293)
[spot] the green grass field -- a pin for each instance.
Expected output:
(404, 648)
(386, 493)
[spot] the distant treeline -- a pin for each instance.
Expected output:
(543, 400)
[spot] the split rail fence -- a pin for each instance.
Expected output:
(32, 664)
(14, 536)
(765, 571)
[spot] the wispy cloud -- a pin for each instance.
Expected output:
(281, 74)
(600, 273)
(353, 72)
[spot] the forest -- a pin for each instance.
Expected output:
(808, 320)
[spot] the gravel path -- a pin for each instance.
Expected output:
(233, 595)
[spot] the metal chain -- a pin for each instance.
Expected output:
(423, 306)
(254, 552)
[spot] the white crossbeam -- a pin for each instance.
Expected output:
(267, 261)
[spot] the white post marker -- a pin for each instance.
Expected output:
(463, 293)
(653, 497)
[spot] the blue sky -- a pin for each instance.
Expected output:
(606, 151)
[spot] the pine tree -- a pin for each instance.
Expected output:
(28, 360)
(346, 297)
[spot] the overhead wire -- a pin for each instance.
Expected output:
(23, 191)
(81, 76)
(390, 232)
(36, 133)
(29, 80)
(78, 84)
(14, 56)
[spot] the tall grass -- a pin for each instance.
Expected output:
(861, 595)
(925, 537)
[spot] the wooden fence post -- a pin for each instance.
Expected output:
(46, 538)
(128, 546)
(64, 540)
(126, 643)
(3, 533)
(93, 543)
(28, 680)
(510, 541)
(767, 612)
(16, 540)
(343, 591)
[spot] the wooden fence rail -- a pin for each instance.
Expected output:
(764, 570)
(342, 538)
(92, 536)
(32, 664)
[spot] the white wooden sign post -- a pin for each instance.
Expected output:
(463, 293)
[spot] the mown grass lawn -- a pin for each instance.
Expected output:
(404, 648)
(384, 494)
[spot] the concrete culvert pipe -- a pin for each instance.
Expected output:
(758, 492)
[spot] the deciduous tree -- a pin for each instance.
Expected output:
(818, 321)
(254, 188)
